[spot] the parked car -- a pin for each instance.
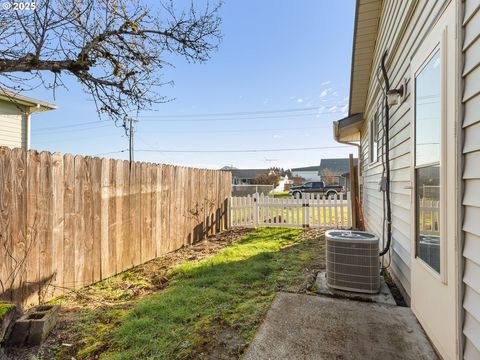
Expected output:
(317, 188)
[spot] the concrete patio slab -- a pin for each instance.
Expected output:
(384, 296)
(301, 326)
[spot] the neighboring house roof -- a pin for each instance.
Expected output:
(338, 166)
(307, 168)
(248, 173)
(34, 105)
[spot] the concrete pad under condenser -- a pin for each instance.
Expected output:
(384, 296)
(299, 326)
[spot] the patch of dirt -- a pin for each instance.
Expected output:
(397, 295)
(314, 264)
(104, 303)
(220, 342)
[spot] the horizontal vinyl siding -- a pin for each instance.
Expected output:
(13, 132)
(402, 27)
(471, 177)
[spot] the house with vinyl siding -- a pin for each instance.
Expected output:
(430, 121)
(15, 117)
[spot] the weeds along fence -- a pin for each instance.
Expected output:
(68, 221)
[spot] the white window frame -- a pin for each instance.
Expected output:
(439, 46)
(373, 140)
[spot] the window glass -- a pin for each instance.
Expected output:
(428, 215)
(308, 185)
(427, 161)
(427, 112)
(374, 135)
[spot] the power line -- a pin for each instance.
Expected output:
(250, 130)
(73, 127)
(168, 118)
(180, 131)
(233, 113)
(158, 119)
(68, 126)
(111, 152)
(66, 131)
(242, 151)
(233, 118)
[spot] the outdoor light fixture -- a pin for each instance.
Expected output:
(394, 96)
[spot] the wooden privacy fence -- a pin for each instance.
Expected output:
(260, 210)
(69, 221)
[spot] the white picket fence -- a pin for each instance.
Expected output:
(320, 212)
(429, 217)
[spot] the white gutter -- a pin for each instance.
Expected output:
(336, 135)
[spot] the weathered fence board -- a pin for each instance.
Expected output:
(260, 210)
(69, 221)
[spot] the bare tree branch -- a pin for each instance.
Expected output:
(116, 49)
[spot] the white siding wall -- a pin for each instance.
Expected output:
(471, 176)
(13, 129)
(402, 27)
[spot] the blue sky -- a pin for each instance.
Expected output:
(275, 55)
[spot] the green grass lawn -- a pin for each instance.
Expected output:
(195, 306)
(215, 305)
(281, 195)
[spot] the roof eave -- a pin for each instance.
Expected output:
(32, 105)
(348, 128)
(366, 12)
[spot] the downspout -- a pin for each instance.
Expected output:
(336, 133)
(335, 136)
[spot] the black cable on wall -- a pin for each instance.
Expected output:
(387, 156)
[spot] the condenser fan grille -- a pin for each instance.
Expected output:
(352, 261)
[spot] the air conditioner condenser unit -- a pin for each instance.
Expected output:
(353, 263)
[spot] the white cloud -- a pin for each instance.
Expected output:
(332, 109)
(323, 93)
(325, 83)
(300, 100)
(277, 136)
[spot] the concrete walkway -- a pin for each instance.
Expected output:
(304, 327)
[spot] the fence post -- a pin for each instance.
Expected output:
(229, 212)
(306, 212)
(349, 212)
(255, 210)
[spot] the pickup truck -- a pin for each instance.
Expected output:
(317, 188)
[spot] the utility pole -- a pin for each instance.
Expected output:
(131, 133)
